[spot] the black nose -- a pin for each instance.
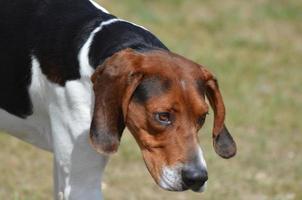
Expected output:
(194, 178)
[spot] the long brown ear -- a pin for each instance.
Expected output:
(113, 83)
(223, 142)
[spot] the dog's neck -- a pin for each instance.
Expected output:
(120, 35)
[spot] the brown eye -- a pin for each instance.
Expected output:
(163, 118)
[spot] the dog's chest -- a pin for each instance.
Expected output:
(55, 108)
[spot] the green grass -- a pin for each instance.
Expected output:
(255, 50)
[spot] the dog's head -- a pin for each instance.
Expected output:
(160, 97)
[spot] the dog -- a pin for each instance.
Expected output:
(73, 76)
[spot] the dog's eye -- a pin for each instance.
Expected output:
(164, 118)
(202, 119)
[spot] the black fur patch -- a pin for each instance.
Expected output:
(118, 36)
(151, 87)
(15, 61)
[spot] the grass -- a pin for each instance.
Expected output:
(254, 48)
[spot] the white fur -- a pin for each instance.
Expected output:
(35, 129)
(85, 68)
(98, 6)
(106, 11)
(204, 165)
(201, 158)
(171, 178)
(77, 166)
(122, 20)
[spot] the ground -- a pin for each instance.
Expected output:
(255, 49)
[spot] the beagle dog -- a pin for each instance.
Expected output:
(74, 76)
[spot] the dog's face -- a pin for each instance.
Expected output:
(165, 113)
(160, 97)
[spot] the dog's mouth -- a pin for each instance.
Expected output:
(171, 186)
(199, 189)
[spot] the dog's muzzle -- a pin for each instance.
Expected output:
(192, 175)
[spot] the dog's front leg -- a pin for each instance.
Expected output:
(77, 168)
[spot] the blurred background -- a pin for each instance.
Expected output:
(255, 50)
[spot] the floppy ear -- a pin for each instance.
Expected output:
(223, 142)
(113, 83)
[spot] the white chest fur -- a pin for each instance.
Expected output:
(54, 108)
